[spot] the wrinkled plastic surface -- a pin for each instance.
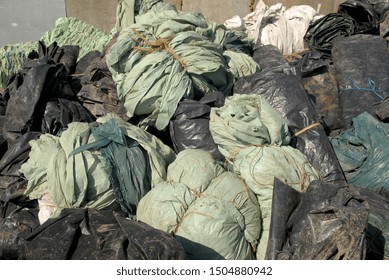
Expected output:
(284, 91)
(321, 33)
(363, 152)
(16, 223)
(327, 222)
(89, 234)
(382, 110)
(40, 81)
(364, 14)
(189, 127)
(129, 165)
(362, 70)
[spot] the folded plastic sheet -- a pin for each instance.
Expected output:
(89, 234)
(362, 70)
(285, 92)
(189, 127)
(326, 222)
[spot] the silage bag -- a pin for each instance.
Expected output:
(78, 169)
(211, 212)
(254, 138)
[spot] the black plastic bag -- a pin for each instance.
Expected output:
(189, 127)
(364, 14)
(16, 223)
(39, 81)
(287, 95)
(322, 32)
(89, 234)
(12, 182)
(327, 222)
(98, 90)
(362, 69)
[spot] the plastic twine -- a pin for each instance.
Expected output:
(372, 88)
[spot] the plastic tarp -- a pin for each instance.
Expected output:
(326, 222)
(254, 138)
(363, 152)
(63, 177)
(211, 212)
(90, 234)
(169, 56)
(189, 127)
(285, 92)
(362, 73)
(280, 26)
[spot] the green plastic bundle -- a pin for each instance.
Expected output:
(211, 212)
(167, 56)
(254, 139)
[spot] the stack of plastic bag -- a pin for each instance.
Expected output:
(210, 211)
(254, 139)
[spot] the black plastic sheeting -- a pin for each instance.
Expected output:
(41, 80)
(327, 222)
(377, 232)
(322, 32)
(97, 90)
(12, 182)
(286, 94)
(189, 127)
(89, 234)
(364, 14)
(319, 80)
(16, 223)
(362, 70)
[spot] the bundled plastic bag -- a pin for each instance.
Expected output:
(285, 92)
(169, 56)
(364, 14)
(89, 167)
(327, 222)
(211, 212)
(361, 65)
(363, 152)
(90, 234)
(254, 139)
